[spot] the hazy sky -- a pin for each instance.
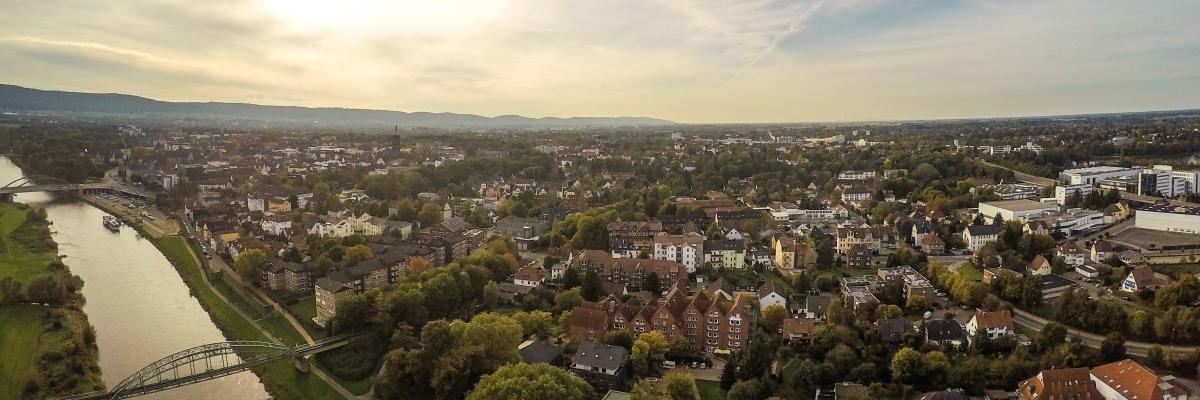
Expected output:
(688, 61)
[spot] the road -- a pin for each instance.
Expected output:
(1024, 177)
(1114, 229)
(1140, 349)
(1045, 182)
(216, 264)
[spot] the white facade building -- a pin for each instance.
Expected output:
(1091, 175)
(1165, 217)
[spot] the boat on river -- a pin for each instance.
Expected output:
(112, 223)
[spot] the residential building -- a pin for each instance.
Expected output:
(1128, 380)
(915, 284)
(875, 237)
(945, 332)
(815, 307)
(1102, 250)
(892, 330)
(1054, 285)
(602, 366)
(629, 271)
(686, 249)
(707, 323)
(528, 276)
(725, 253)
(994, 324)
(540, 351)
(636, 235)
(979, 236)
(856, 175)
(1072, 253)
(769, 295)
(1060, 383)
(855, 194)
(287, 276)
(524, 231)
(1143, 277)
(1039, 266)
(797, 329)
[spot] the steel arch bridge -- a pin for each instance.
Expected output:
(207, 362)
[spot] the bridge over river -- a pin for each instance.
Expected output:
(208, 362)
(26, 185)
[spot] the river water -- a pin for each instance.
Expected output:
(139, 304)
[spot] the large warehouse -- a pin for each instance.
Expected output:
(1166, 217)
(1011, 210)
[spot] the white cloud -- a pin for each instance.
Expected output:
(703, 61)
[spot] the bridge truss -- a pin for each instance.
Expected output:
(207, 362)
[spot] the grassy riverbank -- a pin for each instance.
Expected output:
(49, 348)
(281, 379)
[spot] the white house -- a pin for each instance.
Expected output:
(528, 276)
(769, 295)
(978, 236)
(993, 323)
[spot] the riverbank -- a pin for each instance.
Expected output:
(282, 380)
(49, 345)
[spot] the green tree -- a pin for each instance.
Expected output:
(11, 291)
(571, 279)
(356, 254)
(406, 211)
(249, 262)
(751, 389)
(429, 215)
(772, 317)
(354, 312)
(1050, 336)
(491, 295)
(680, 386)
(46, 289)
(619, 339)
(531, 382)
(1113, 347)
(591, 287)
(646, 389)
(497, 335)
(728, 375)
(567, 300)
(653, 285)
(908, 366)
(536, 324)
(649, 351)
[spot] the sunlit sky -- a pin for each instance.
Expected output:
(687, 61)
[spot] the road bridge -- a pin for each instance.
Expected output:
(25, 185)
(208, 362)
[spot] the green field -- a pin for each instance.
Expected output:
(709, 390)
(1174, 270)
(305, 309)
(20, 327)
(282, 379)
(15, 260)
(971, 272)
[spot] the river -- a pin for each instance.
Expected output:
(138, 303)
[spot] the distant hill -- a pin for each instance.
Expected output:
(21, 99)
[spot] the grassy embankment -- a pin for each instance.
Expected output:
(281, 379)
(46, 350)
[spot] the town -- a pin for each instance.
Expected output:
(1009, 259)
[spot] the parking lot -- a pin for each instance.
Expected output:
(154, 222)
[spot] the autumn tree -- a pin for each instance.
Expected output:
(531, 382)
(249, 262)
(649, 351)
